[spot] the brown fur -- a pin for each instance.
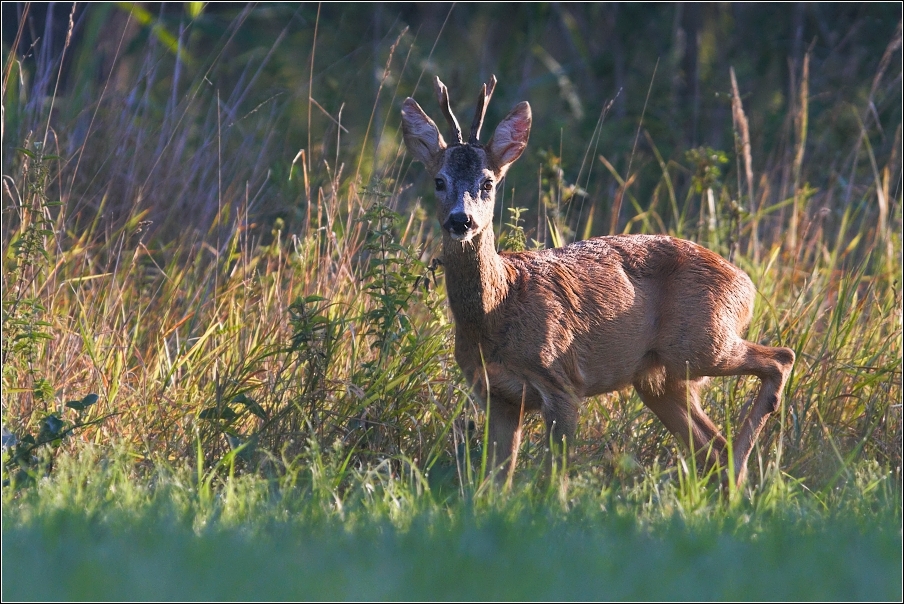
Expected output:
(555, 326)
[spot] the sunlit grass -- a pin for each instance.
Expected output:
(98, 531)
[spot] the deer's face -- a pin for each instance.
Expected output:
(465, 174)
(465, 191)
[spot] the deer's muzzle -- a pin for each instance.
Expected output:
(459, 224)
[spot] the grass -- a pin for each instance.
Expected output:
(228, 369)
(159, 559)
(94, 533)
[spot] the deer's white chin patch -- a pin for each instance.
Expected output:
(463, 237)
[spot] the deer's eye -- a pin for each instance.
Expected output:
(440, 184)
(487, 185)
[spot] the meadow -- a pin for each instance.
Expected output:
(227, 353)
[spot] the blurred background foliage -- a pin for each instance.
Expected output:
(184, 107)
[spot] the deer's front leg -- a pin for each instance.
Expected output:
(504, 406)
(504, 434)
(560, 411)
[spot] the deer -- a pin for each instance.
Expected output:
(540, 331)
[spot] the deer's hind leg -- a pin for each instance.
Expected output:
(676, 402)
(773, 366)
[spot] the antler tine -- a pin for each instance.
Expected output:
(483, 99)
(442, 94)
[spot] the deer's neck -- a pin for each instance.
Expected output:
(475, 279)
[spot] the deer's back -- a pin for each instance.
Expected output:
(598, 314)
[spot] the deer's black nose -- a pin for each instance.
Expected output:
(459, 223)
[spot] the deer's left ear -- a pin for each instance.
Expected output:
(422, 138)
(510, 138)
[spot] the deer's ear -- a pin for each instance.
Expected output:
(511, 136)
(422, 138)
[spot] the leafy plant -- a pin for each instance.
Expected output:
(26, 329)
(25, 457)
(24, 324)
(394, 281)
(513, 239)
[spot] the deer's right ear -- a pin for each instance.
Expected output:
(422, 137)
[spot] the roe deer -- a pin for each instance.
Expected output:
(549, 328)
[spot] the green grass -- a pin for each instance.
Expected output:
(70, 557)
(228, 367)
(95, 534)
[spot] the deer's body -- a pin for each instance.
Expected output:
(549, 328)
(592, 317)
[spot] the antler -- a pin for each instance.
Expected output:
(442, 94)
(483, 99)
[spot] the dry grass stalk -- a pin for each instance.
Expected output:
(743, 130)
(800, 122)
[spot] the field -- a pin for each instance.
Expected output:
(95, 534)
(227, 351)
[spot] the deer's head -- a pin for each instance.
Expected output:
(465, 174)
